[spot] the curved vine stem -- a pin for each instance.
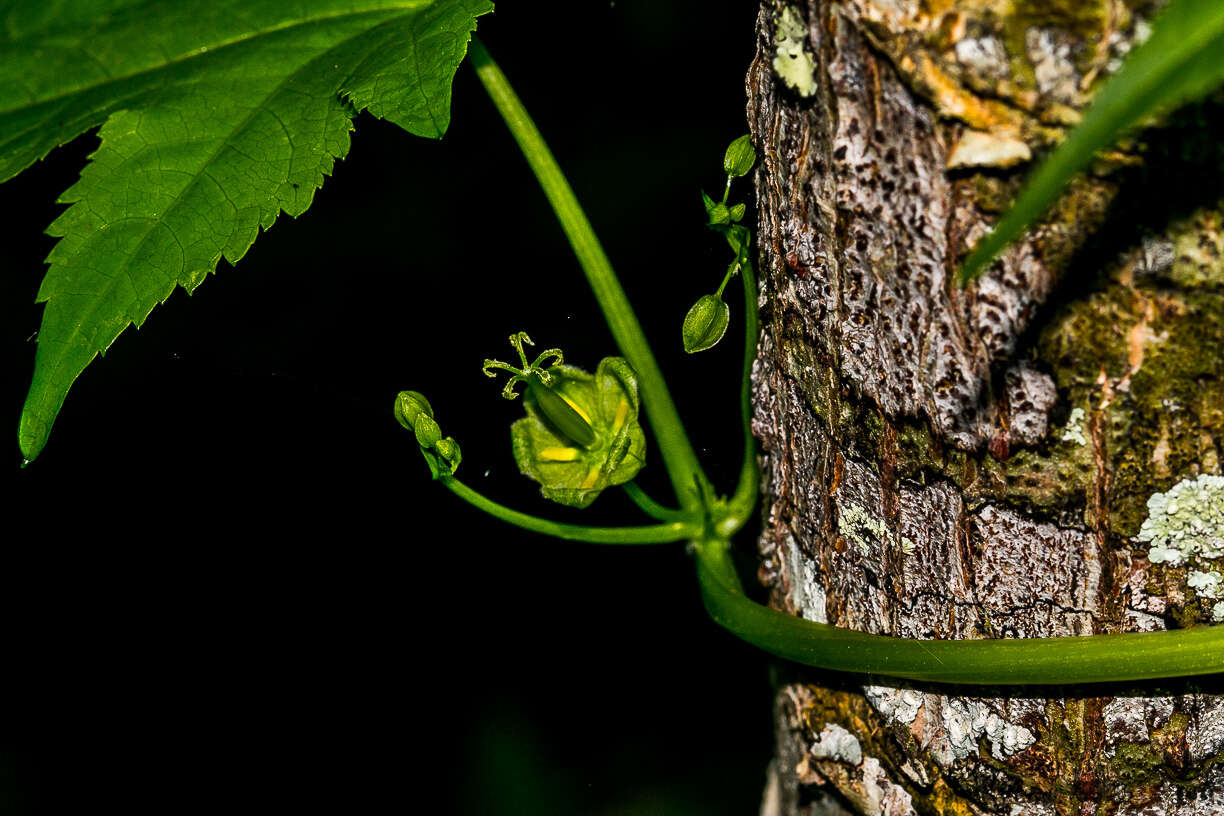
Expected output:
(1005, 661)
(742, 502)
(651, 507)
(649, 534)
(674, 445)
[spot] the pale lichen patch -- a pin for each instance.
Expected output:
(837, 744)
(807, 591)
(1049, 51)
(881, 796)
(899, 705)
(836, 757)
(967, 721)
(1206, 584)
(858, 526)
(978, 149)
(985, 55)
(792, 61)
(1187, 522)
(1073, 431)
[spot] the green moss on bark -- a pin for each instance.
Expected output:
(1136, 764)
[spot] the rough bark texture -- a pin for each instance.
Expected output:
(946, 463)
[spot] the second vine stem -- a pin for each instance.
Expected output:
(678, 455)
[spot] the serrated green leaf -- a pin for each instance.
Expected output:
(1181, 61)
(216, 116)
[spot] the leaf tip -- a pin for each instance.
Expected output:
(975, 263)
(967, 274)
(31, 436)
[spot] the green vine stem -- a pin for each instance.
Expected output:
(649, 534)
(652, 508)
(1005, 661)
(674, 445)
(742, 502)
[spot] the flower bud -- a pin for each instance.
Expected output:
(448, 449)
(427, 431)
(740, 157)
(705, 323)
(408, 404)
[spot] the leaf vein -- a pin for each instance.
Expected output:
(212, 48)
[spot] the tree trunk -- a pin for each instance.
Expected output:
(967, 463)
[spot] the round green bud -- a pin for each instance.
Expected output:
(737, 212)
(719, 214)
(448, 449)
(740, 157)
(408, 404)
(705, 324)
(427, 431)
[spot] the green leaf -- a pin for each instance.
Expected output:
(216, 116)
(608, 401)
(1183, 60)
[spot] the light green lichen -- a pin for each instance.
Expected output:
(855, 525)
(792, 61)
(838, 744)
(1187, 522)
(1073, 431)
(1206, 584)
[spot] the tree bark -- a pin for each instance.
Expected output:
(966, 463)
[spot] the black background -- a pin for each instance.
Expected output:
(229, 582)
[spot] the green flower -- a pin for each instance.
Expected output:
(574, 474)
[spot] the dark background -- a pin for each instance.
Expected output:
(229, 582)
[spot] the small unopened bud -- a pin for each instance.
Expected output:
(408, 404)
(740, 157)
(448, 449)
(716, 211)
(719, 214)
(737, 212)
(427, 431)
(705, 324)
